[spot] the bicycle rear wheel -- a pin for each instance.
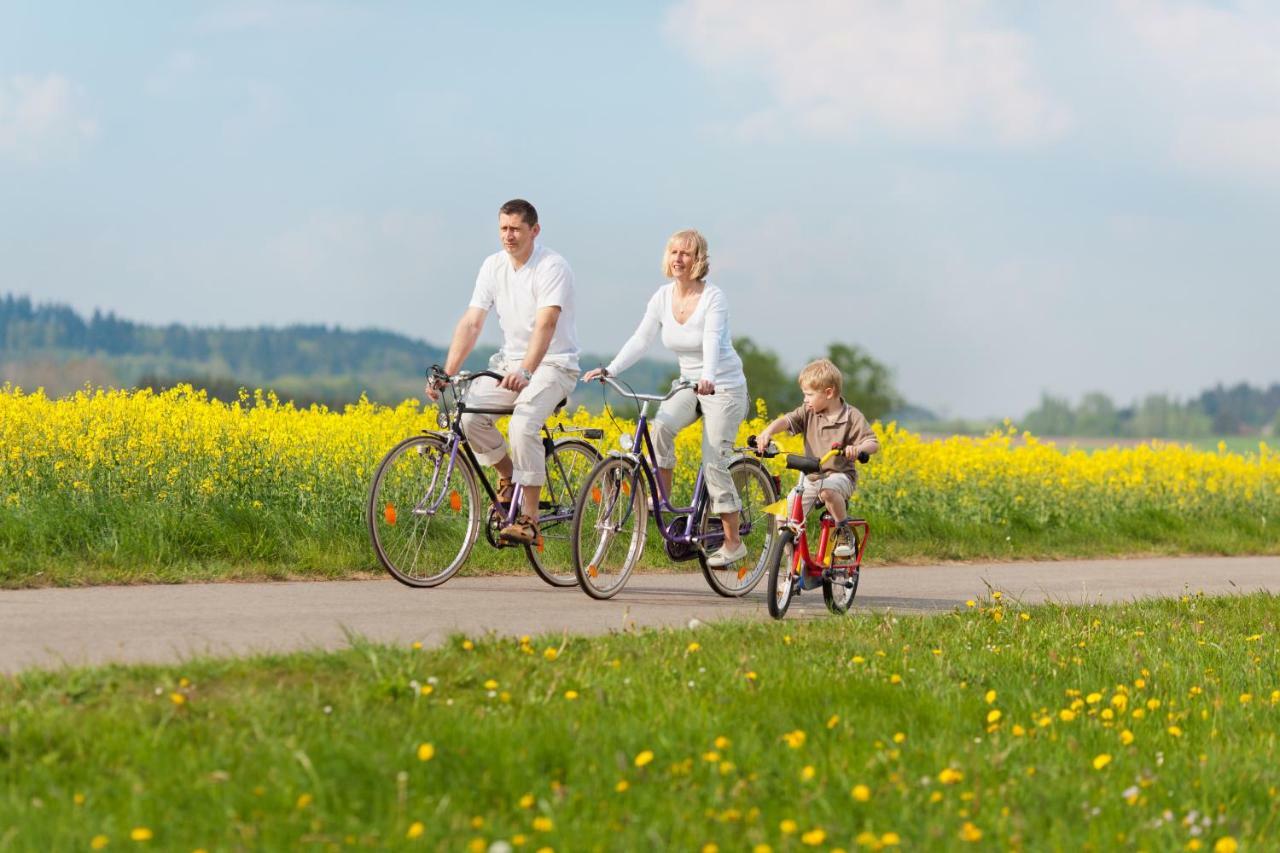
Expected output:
(756, 490)
(609, 526)
(781, 559)
(423, 511)
(569, 462)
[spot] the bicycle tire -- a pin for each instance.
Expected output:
(407, 496)
(614, 496)
(569, 462)
(781, 588)
(756, 490)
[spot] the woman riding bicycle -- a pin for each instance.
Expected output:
(693, 318)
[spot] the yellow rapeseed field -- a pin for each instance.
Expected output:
(178, 448)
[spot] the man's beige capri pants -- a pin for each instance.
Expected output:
(722, 414)
(550, 384)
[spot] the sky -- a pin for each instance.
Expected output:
(997, 200)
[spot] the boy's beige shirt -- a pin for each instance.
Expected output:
(841, 424)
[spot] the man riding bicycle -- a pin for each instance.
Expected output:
(532, 289)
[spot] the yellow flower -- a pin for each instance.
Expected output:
(1225, 844)
(644, 758)
(1246, 698)
(762, 848)
(1175, 731)
(795, 739)
(899, 737)
(692, 647)
(990, 697)
(833, 721)
(426, 751)
(895, 679)
(527, 801)
(814, 837)
(622, 786)
(787, 826)
(1066, 715)
(550, 653)
(99, 842)
(415, 830)
(1101, 760)
(970, 833)
(304, 800)
(890, 839)
(571, 695)
(491, 685)
(950, 776)
(141, 833)
(543, 824)
(971, 603)
(711, 847)
(1126, 737)
(177, 699)
(722, 742)
(467, 645)
(993, 715)
(807, 773)
(861, 793)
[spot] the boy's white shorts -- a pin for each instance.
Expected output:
(841, 484)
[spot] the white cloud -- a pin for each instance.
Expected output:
(41, 117)
(936, 70)
(1216, 74)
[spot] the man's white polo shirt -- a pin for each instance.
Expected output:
(544, 281)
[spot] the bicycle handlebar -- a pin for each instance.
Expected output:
(654, 398)
(436, 373)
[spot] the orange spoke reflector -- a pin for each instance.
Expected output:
(626, 487)
(539, 544)
(742, 571)
(593, 571)
(455, 501)
(389, 513)
(595, 494)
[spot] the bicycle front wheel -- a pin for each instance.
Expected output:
(609, 526)
(756, 490)
(781, 559)
(569, 462)
(423, 511)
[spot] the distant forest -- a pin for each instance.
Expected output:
(54, 347)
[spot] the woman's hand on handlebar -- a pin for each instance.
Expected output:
(598, 373)
(705, 387)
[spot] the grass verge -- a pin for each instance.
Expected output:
(1150, 725)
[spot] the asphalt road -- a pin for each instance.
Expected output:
(51, 628)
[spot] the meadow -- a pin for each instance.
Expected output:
(1150, 726)
(125, 487)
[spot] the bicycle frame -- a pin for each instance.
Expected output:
(802, 556)
(676, 527)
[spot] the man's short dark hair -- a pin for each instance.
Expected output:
(519, 206)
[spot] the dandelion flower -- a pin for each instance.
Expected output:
(807, 773)
(1101, 760)
(990, 697)
(527, 801)
(141, 833)
(1225, 844)
(693, 647)
(415, 830)
(644, 758)
(814, 837)
(890, 839)
(787, 826)
(177, 699)
(1175, 731)
(426, 751)
(1126, 737)
(833, 721)
(99, 842)
(993, 716)
(950, 776)
(543, 824)
(571, 695)
(304, 800)
(550, 653)
(861, 793)
(622, 786)
(970, 833)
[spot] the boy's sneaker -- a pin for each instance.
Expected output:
(844, 542)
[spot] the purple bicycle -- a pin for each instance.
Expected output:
(610, 520)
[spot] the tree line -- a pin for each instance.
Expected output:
(1238, 410)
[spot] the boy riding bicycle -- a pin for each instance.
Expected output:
(827, 421)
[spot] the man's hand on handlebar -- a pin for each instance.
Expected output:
(514, 381)
(598, 373)
(436, 381)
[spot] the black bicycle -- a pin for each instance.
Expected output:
(425, 510)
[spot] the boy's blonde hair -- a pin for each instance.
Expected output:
(822, 374)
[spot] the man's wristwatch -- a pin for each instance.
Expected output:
(528, 376)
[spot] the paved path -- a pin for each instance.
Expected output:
(53, 627)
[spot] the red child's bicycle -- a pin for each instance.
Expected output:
(792, 568)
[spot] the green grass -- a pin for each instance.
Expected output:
(956, 725)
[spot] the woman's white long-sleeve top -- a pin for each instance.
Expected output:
(702, 343)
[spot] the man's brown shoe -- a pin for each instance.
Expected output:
(524, 531)
(506, 490)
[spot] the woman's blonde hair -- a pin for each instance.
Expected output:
(701, 260)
